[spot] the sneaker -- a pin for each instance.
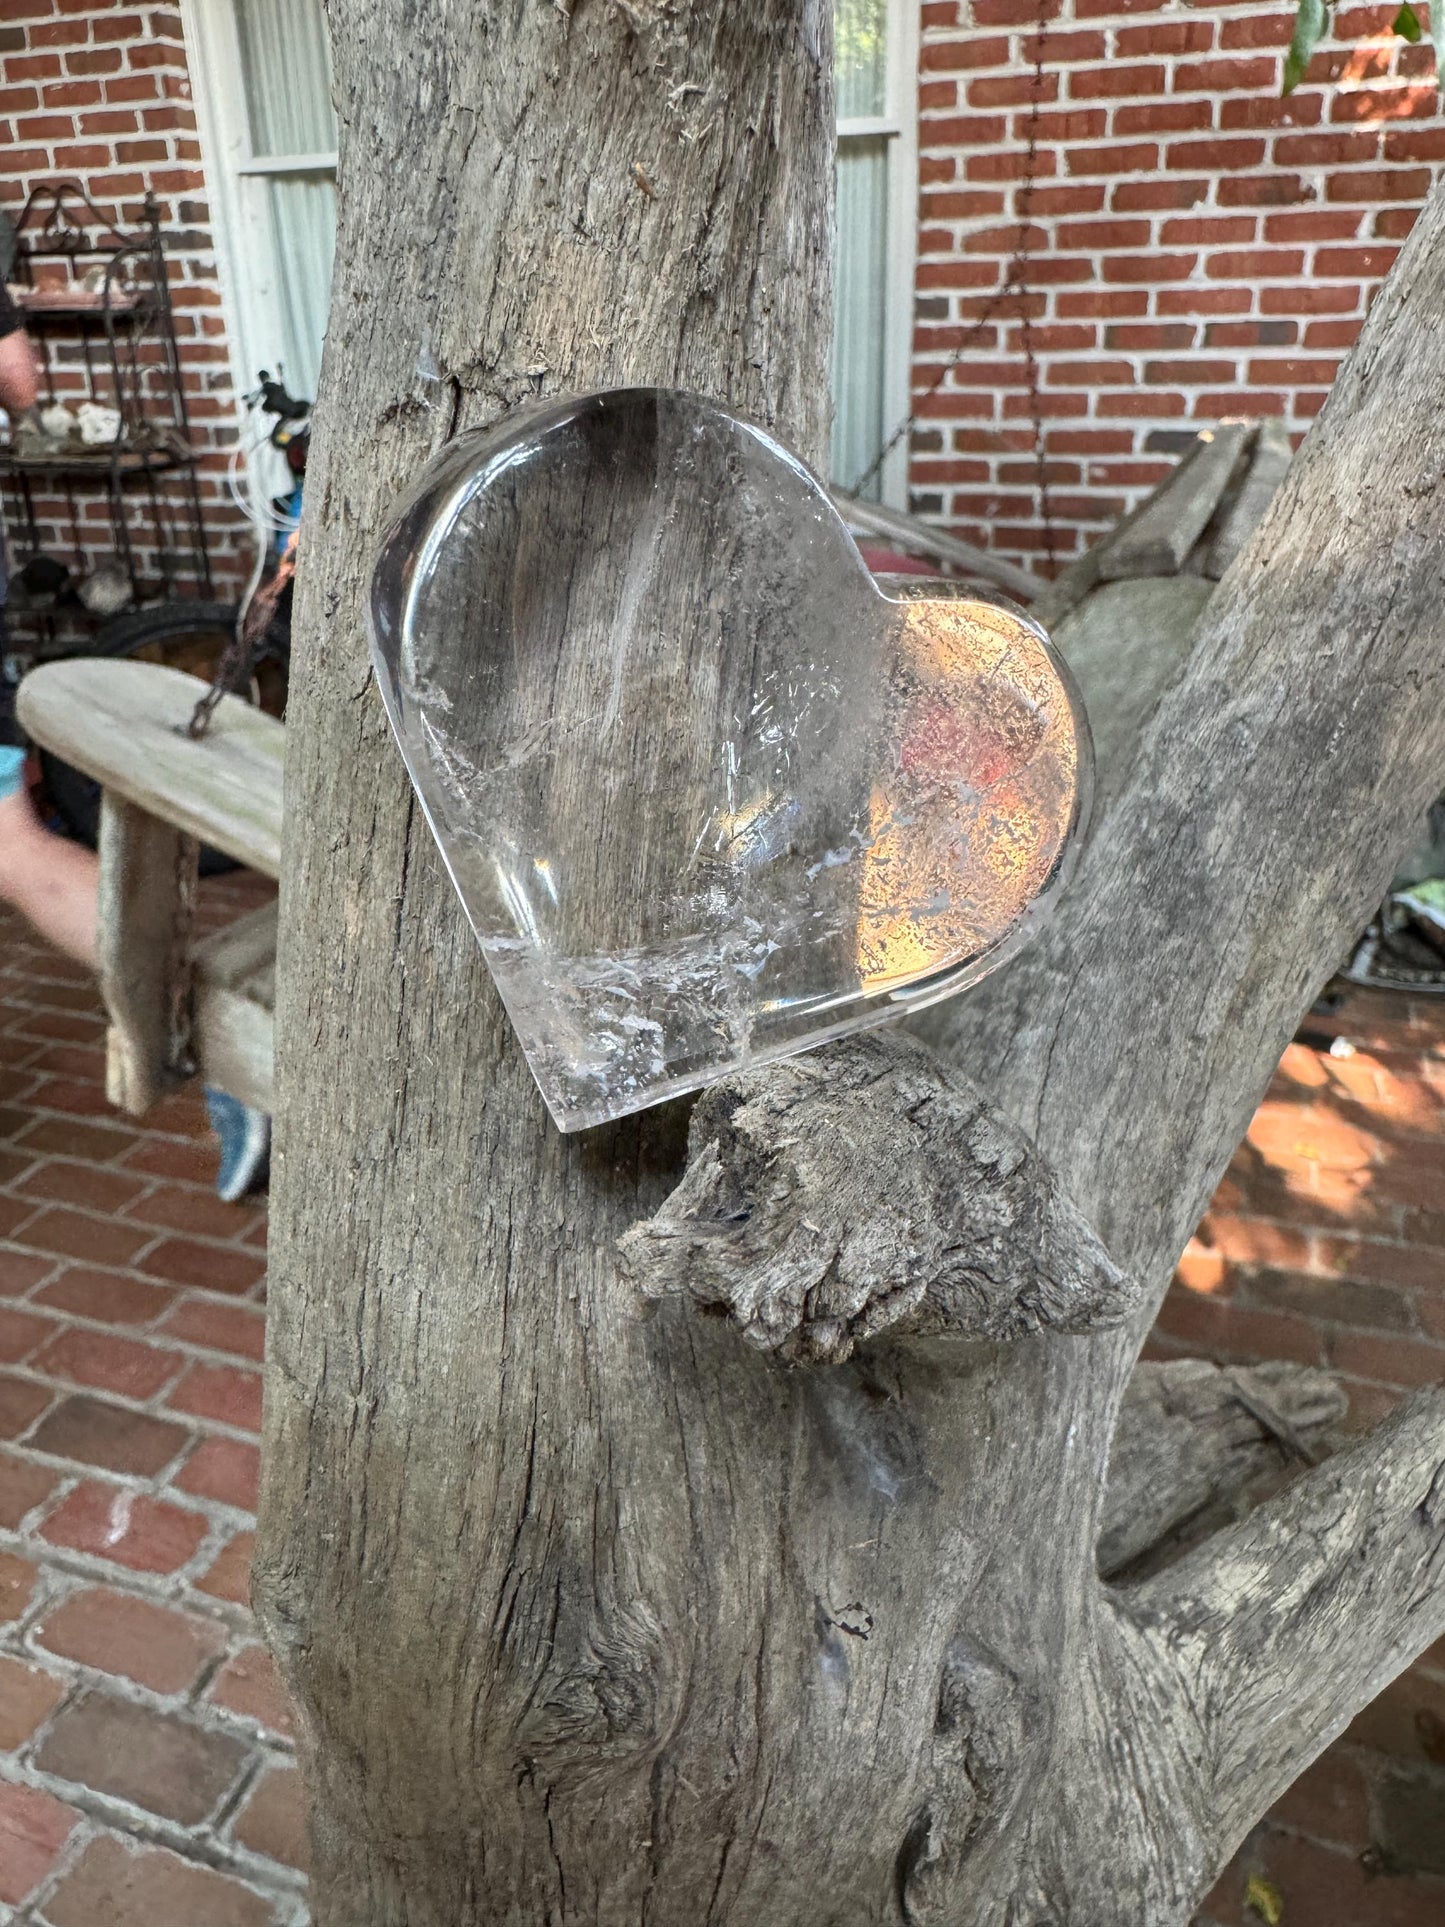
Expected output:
(245, 1144)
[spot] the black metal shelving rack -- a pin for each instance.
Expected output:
(114, 343)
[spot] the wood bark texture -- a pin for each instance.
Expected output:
(597, 1615)
(1272, 456)
(870, 1189)
(1192, 1438)
(1158, 539)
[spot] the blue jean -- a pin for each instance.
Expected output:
(12, 771)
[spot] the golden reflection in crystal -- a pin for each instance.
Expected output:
(967, 826)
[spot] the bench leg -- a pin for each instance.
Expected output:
(147, 900)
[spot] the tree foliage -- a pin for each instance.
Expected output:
(1312, 22)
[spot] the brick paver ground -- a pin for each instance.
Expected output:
(146, 1769)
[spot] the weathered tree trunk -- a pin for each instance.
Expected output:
(598, 1613)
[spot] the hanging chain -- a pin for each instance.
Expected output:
(232, 671)
(247, 645)
(1015, 285)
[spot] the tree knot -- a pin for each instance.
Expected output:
(869, 1188)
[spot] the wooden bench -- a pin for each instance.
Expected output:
(176, 1007)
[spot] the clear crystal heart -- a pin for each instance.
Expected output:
(708, 792)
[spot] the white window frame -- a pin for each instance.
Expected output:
(247, 258)
(249, 268)
(898, 125)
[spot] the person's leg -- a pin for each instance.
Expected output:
(51, 881)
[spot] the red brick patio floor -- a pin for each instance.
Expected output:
(146, 1769)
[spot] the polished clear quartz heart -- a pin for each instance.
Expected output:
(709, 793)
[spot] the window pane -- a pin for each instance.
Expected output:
(861, 59)
(287, 73)
(861, 268)
(303, 221)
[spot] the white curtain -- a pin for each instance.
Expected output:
(861, 253)
(860, 268)
(286, 71)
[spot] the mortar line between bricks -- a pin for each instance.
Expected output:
(199, 1508)
(8, 1249)
(21, 1636)
(150, 1408)
(113, 1119)
(107, 1215)
(132, 1268)
(27, 1526)
(30, 1372)
(26, 1060)
(186, 1351)
(86, 1467)
(148, 1482)
(60, 1265)
(245, 1784)
(1349, 1230)
(152, 1180)
(1318, 1839)
(106, 1218)
(84, 1680)
(131, 1128)
(197, 1845)
(143, 1481)
(148, 1181)
(137, 1484)
(73, 1474)
(218, 1535)
(213, 1667)
(33, 1908)
(153, 1588)
(1321, 1315)
(154, 1326)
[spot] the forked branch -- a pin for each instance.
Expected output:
(1285, 1626)
(1192, 1435)
(866, 1188)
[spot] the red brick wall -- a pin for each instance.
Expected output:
(100, 93)
(1199, 247)
(1326, 1243)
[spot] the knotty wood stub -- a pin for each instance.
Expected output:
(868, 1188)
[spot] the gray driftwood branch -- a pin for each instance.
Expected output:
(870, 1188)
(1281, 1628)
(1192, 1436)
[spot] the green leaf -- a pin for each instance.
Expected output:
(1309, 27)
(1407, 23)
(1261, 1896)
